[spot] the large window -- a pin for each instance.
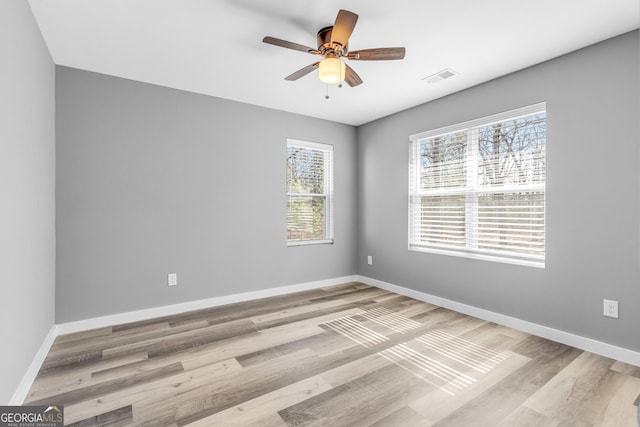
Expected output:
(309, 193)
(477, 189)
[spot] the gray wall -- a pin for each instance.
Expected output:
(27, 206)
(152, 180)
(592, 197)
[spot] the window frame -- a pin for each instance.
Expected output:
(328, 194)
(468, 251)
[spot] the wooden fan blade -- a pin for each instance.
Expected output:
(379, 54)
(290, 45)
(343, 27)
(302, 72)
(351, 77)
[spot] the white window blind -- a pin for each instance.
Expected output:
(309, 192)
(477, 189)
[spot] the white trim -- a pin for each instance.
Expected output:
(482, 121)
(308, 144)
(484, 256)
(598, 347)
(167, 310)
(27, 380)
(309, 242)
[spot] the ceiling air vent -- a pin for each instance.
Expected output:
(440, 75)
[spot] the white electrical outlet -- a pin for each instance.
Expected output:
(610, 308)
(369, 260)
(172, 279)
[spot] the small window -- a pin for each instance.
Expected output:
(309, 193)
(477, 189)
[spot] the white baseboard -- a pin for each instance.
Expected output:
(27, 380)
(168, 310)
(583, 343)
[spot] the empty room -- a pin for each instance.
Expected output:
(286, 213)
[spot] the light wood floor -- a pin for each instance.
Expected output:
(347, 355)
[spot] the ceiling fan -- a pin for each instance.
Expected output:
(333, 44)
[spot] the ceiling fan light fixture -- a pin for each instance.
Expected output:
(331, 71)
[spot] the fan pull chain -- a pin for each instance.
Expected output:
(327, 93)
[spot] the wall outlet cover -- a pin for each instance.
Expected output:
(172, 279)
(610, 308)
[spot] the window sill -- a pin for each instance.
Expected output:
(310, 242)
(481, 256)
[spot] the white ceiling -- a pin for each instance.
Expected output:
(215, 47)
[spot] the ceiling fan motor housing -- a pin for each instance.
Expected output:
(324, 43)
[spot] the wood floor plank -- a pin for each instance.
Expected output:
(413, 310)
(438, 405)
(344, 355)
(363, 401)
(157, 390)
(626, 369)
(158, 346)
(566, 393)
(404, 416)
(93, 350)
(293, 311)
(588, 390)
(277, 351)
(88, 334)
(353, 296)
(355, 369)
(500, 400)
(345, 287)
(117, 337)
(76, 376)
(622, 409)
(260, 410)
(230, 390)
(116, 418)
(274, 379)
(247, 309)
(334, 306)
(525, 417)
(113, 385)
(259, 341)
